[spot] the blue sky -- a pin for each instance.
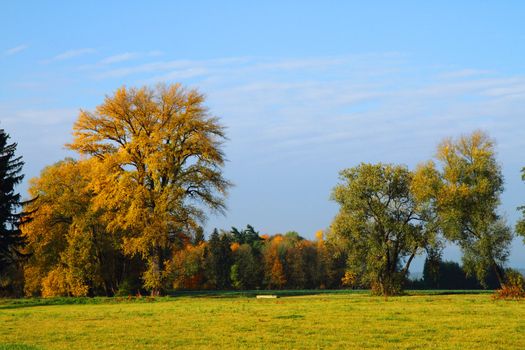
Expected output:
(305, 88)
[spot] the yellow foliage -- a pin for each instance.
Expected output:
(32, 280)
(55, 284)
(277, 239)
(349, 279)
(159, 158)
(58, 239)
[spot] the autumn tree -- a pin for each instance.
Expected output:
(463, 188)
(11, 240)
(273, 257)
(335, 252)
(160, 165)
(70, 251)
(187, 267)
(380, 220)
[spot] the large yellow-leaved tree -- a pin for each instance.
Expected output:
(159, 168)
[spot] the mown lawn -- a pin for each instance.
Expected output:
(323, 321)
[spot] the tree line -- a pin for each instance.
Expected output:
(127, 215)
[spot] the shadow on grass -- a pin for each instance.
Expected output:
(254, 293)
(6, 304)
(18, 347)
(416, 292)
(305, 292)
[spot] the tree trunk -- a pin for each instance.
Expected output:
(500, 275)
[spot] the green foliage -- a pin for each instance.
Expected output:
(246, 270)
(248, 236)
(449, 275)
(127, 288)
(520, 225)
(218, 260)
(464, 194)
(380, 220)
(11, 240)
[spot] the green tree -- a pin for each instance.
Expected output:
(520, 225)
(160, 164)
(248, 236)
(245, 271)
(463, 189)
(431, 268)
(219, 260)
(11, 240)
(379, 217)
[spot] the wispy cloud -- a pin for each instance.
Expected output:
(119, 58)
(38, 117)
(127, 56)
(243, 65)
(15, 50)
(171, 67)
(465, 73)
(307, 116)
(66, 55)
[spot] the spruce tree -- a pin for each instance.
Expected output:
(11, 239)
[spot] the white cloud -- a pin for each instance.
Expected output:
(33, 118)
(310, 117)
(127, 56)
(120, 58)
(72, 54)
(465, 73)
(15, 50)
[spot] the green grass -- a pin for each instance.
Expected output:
(322, 320)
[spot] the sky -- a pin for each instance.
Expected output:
(304, 88)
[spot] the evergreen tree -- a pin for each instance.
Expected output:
(219, 260)
(11, 239)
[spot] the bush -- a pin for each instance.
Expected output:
(514, 287)
(126, 288)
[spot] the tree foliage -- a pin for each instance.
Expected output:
(159, 164)
(70, 251)
(520, 225)
(380, 219)
(463, 189)
(11, 240)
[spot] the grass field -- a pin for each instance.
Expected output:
(235, 321)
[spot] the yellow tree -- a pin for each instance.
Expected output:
(463, 189)
(66, 244)
(274, 271)
(160, 165)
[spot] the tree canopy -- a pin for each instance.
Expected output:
(159, 165)
(379, 218)
(463, 189)
(11, 239)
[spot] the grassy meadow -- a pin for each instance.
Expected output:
(340, 320)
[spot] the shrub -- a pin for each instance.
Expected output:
(514, 287)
